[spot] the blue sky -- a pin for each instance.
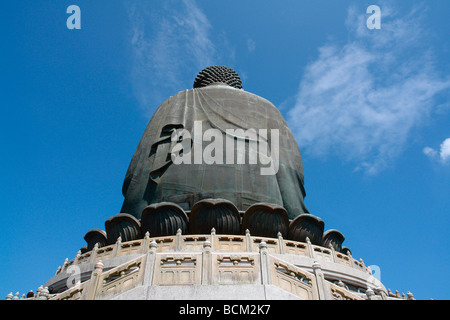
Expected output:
(369, 109)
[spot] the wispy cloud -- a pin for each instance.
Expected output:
(361, 99)
(170, 43)
(443, 156)
(251, 45)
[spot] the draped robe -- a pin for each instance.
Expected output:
(152, 177)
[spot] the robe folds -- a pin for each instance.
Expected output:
(152, 177)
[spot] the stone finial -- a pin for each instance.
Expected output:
(207, 244)
(308, 240)
(16, 296)
(9, 296)
(213, 230)
(66, 262)
(118, 241)
(58, 270)
(179, 232)
(316, 265)
(147, 235)
(370, 293)
(262, 244)
(153, 244)
(40, 289)
(44, 293)
(99, 265)
(247, 232)
(410, 296)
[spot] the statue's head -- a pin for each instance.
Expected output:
(217, 74)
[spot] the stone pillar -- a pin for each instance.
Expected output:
(322, 288)
(178, 241)
(145, 243)
(77, 257)
(66, 262)
(333, 253)
(280, 243)
(150, 264)
(310, 248)
(350, 258)
(93, 254)
(95, 281)
(248, 241)
(117, 247)
(264, 261)
(213, 239)
(206, 263)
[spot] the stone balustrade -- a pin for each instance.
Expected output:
(137, 267)
(219, 242)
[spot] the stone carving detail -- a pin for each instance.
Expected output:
(265, 220)
(306, 226)
(93, 237)
(122, 225)
(219, 214)
(164, 219)
(333, 238)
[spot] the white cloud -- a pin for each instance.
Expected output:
(251, 45)
(445, 150)
(170, 45)
(444, 153)
(430, 152)
(361, 99)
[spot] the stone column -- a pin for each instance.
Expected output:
(150, 265)
(145, 243)
(117, 247)
(213, 239)
(248, 241)
(310, 248)
(333, 253)
(264, 261)
(280, 243)
(93, 254)
(77, 257)
(92, 287)
(206, 263)
(322, 287)
(178, 241)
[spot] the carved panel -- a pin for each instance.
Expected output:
(236, 269)
(177, 269)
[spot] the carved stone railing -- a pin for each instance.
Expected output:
(208, 266)
(219, 242)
